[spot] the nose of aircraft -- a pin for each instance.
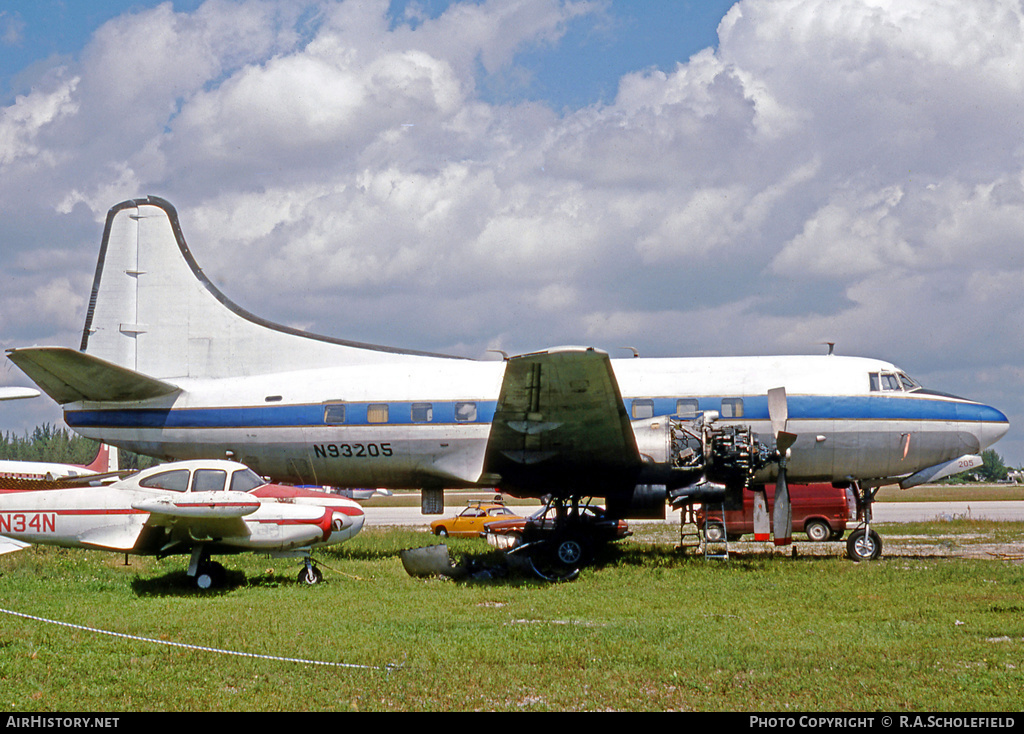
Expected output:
(988, 425)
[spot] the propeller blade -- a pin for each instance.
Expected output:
(782, 514)
(778, 409)
(784, 440)
(762, 525)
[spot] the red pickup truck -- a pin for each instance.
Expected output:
(820, 510)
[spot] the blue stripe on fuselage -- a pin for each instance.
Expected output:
(755, 408)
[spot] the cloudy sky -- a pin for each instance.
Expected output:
(688, 178)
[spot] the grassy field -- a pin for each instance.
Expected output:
(648, 628)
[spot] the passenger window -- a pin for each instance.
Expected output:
(334, 413)
(422, 412)
(465, 412)
(175, 481)
(209, 480)
(643, 408)
(686, 407)
(732, 407)
(377, 413)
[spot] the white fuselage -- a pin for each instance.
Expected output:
(420, 421)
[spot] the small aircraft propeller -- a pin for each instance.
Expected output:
(782, 516)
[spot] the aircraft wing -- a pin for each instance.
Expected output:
(560, 424)
(201, 514)
(68, 376)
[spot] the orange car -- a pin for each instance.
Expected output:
(470, 522)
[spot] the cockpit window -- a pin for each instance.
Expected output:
(891, 381)
(176, 480)
(245, 480)
(209, 480)
(908, 383)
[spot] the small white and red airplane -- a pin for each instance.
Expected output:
(22, 475)
(196, 507)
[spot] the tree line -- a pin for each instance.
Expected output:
(62, 446)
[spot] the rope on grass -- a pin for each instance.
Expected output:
(388, 668)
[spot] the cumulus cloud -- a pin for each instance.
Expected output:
(834, 170)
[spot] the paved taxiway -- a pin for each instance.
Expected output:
(883, 512)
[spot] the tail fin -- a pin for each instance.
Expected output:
(105, 461)
(153, 311)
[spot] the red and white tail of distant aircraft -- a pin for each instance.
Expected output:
(22, 475)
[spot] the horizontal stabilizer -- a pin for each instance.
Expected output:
(9, 545)
(121, 537)
(69, 376)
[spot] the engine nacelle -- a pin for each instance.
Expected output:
(645, 502)
(681, 453)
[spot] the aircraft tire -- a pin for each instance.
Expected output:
(210, 575)
(863, 546)
(310, 576)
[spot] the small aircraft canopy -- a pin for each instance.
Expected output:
(204, 480)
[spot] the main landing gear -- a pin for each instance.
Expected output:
(207, 574)
(560, 545)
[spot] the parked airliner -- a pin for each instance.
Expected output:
(168, 366)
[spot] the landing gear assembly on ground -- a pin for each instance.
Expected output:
(557, 549)
(310, 574)
(210, 575)
(864, 544)
(207, 574)
(557, 558)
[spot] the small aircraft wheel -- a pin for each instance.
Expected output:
(210, 575)
(310, 575)
(714, 532)
(863, 546)
(817, 531)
